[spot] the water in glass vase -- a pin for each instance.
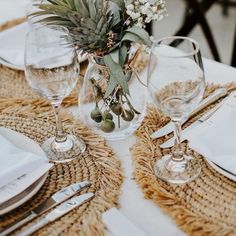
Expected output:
(115, 116)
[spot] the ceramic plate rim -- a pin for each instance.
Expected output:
(26, 198)
(221, 171)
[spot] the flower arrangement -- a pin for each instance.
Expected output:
(100, 28)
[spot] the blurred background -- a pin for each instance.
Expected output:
(221, 22)
(222, 25)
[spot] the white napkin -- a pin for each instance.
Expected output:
(16, 162)
(19, 185)
(216, 139)
(119, 225)
(12, 43)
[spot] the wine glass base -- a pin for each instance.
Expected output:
(60, 152)
(177, 172)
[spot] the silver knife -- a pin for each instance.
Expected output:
(170, 142)
(58, 212)
(169, 127)
(57, 198)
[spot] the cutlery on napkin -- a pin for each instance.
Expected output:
(217, 141)
(169, 127)
(206, 119)
(119, 225)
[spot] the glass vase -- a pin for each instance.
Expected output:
(117, 116)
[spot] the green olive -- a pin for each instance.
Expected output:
(116, 108)
(127, 115)
(96, 115)
(107, 115)
(107, 126)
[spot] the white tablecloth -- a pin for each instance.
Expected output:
(140, 211)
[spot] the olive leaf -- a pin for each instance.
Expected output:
(111, 86)
(122, 54)
(138, 35)
(128, 75)
(120, 3)
(116, 73)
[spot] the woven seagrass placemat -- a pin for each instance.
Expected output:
(98, 165)
(206, 206)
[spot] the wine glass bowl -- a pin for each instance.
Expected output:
(52, 71)
(176, 84)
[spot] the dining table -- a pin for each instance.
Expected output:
(144, 213)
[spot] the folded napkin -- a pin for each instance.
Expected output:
(13, 56)
(119, 225)
(12, 43)
(216, 140)
(16, 162)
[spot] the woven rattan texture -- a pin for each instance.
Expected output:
(206, 206)
(98, 165)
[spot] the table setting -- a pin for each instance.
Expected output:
(105, 131)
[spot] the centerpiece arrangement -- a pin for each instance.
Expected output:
(112, 99)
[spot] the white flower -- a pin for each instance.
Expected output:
(148, 20)
(135, 15)
(152, 38)
(128, 22)
(143, 1)
(147, 4)
(154, 9)
(130, 7)
(143, 10)
(139, 24)
(140, 19)
(129, 12)
(149, 13)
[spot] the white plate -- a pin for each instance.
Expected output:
(13, 40)
(222, 171)
(12, 66)
(24, 196)
(23, 142)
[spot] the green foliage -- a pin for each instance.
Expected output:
(137, 35)
(116, 75)
(91, 23)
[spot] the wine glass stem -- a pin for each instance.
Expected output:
(178, 154)
(60, 134)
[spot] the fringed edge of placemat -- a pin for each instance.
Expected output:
(143, 174)
(12, 23)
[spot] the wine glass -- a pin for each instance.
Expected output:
(52, 70)
(176, 84)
